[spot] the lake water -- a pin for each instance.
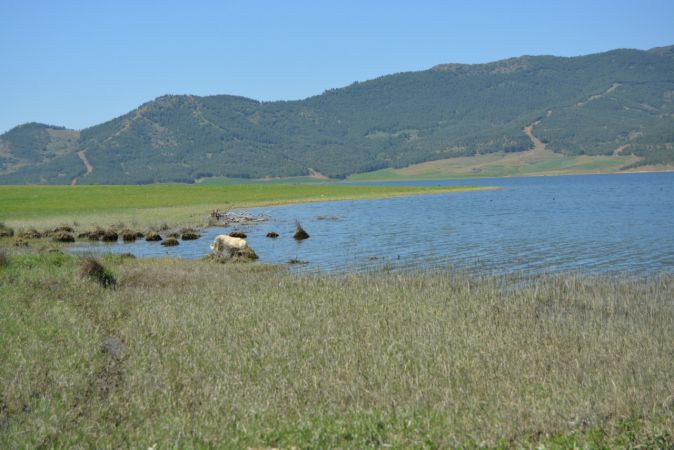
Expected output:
(587, 223)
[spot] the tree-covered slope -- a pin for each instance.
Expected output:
(615, 102)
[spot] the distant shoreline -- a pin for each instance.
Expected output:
(524, 175)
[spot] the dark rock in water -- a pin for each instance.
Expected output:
(300, 234)
(110, 236)
(152, 236)
(173, 234)
(170, 242)
(139, 234)
(190, 236)
(238, 234)
(272, 234)
(62, 236)
(127, 255)
(295, 261)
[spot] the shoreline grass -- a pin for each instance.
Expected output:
(544, 164)
(43, 206)
(191, 354)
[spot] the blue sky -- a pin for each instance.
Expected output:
(77, 64)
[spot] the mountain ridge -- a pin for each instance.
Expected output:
(584, 105)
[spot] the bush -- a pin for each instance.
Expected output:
(31, 233)
(110, 236)
(5, 231)
(128, 236)
(190, 235)
(94, 270)
(62, 236)
(152, 236)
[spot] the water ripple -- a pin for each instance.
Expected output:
(595, 223)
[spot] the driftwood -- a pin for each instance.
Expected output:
(240, 217)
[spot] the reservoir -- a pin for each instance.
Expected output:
(622, 223)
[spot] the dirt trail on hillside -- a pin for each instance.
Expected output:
(620, 149)
(611, 88)
(529, 131)
(316, 174)
(87, 164)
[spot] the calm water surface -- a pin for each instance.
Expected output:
(588, 223)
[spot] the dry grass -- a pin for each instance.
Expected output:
(253, 356)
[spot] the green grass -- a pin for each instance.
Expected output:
(239, 356)
(280, 180)
(529, 163)
(40, 206)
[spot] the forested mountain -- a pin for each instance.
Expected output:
(620, 101)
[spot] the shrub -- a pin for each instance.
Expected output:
(110, 236)
(152, 236)
(5, 231)
(62, 236)
(128, 235)
(31, 233)
(93, 235)
(91, 268)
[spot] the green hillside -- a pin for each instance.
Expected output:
(614, 103)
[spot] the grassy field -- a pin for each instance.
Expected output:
(532, 162)
(200, 355)
(176, 204)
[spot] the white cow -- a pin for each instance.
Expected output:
(223, 243)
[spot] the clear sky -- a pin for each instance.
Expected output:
(77, 64)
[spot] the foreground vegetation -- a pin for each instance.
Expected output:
(178, 204)
(183, 354)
